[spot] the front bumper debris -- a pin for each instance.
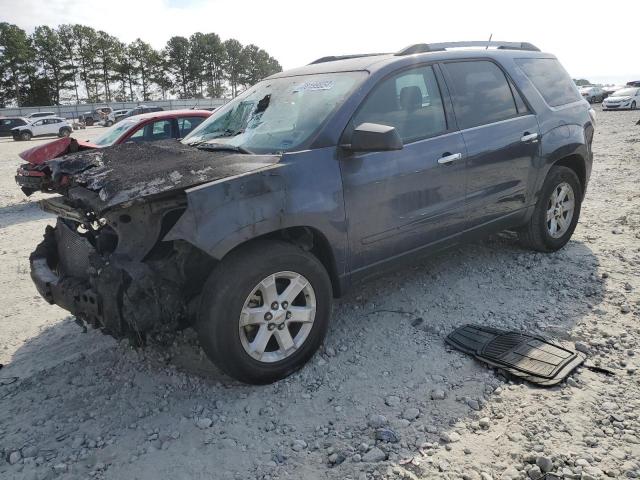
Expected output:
(123, 298)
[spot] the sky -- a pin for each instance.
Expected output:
(592, 40)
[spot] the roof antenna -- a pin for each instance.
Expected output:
(490, 37)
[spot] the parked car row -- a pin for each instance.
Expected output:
(614, 97)
(48, 123)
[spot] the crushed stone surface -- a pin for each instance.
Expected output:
(384, 398)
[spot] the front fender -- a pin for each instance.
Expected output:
(227, 212)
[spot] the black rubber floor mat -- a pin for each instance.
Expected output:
(533, 358)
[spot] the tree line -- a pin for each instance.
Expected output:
(76, 63)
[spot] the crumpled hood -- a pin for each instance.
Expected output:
(57, 148)
(129, 172)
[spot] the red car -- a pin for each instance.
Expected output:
(36, 175)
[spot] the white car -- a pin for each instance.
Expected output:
(34, 115)
(592, 93)
(113, 117)
(41, 127)
(625, 98)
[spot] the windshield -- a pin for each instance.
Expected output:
(276, 115)
(114, 132)
(625, 92)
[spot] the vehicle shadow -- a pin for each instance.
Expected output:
(384, 355)
(24, 212)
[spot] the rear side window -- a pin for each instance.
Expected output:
(409, 101)
(187, 124)
(550, 79)
(481, 93)
(161, 130)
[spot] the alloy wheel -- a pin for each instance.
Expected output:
(560, 210)
(277, 317)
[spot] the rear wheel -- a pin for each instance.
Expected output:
(633, 105)
(64, 132)
(265, 311)
(556, 213)
(89, 122)
(108, 123)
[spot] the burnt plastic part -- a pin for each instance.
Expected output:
(124, 298)
(530, 357)
(129, 172)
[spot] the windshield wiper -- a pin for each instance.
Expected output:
(216, 147)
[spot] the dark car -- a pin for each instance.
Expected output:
(140, 109)
(308, 182)
(7, 123)
(92, 117)
(35, 175)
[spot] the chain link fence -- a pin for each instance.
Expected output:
(73, 111)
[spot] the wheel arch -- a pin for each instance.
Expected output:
(308, 238)
(576, 163)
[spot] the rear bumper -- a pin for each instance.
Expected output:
(30, 179)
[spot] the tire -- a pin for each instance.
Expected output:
(633, 105)
(233, 288)
(537, 233)
(108, 123)
(64, 132)
(89, 122)
(26, 136)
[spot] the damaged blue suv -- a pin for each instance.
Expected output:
(308, 182)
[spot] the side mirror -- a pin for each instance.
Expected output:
(373, 137)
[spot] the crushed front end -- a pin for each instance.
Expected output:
(111, 259)
(115, 272)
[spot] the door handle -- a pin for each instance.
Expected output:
(447, 159)
(529, 137)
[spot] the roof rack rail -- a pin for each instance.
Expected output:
(332, 58)
(438, 47)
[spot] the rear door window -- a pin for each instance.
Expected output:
(481, 93)
(550, 79)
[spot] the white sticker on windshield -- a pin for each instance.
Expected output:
(311, 86)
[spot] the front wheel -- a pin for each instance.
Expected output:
(25, 136)
(265, 311)
(556, 212)
(633, 105)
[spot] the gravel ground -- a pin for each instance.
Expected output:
(384, 398)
